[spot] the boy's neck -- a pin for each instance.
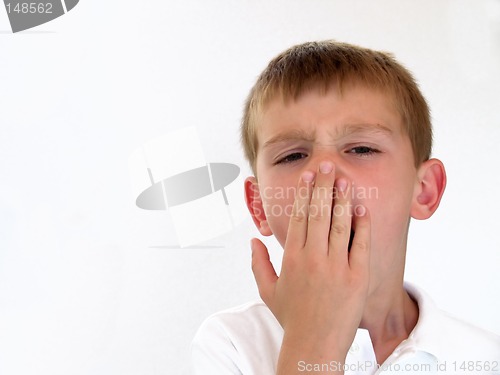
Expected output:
(390, 316)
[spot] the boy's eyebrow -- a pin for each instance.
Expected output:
(349, 129)
(346, 130)
(293, 134)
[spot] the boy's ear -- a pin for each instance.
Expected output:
(255, 206)
(429, 188)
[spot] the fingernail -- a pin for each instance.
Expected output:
(325, 167)
(342, 185)
(307, 176)
(360, 210)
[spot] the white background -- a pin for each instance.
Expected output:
(83, 289)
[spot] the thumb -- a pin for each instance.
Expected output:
(263, 270)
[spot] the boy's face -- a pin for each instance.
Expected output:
(362, 134)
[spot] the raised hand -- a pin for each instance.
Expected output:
(320, 294)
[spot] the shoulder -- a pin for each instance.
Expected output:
(252, 318)
(449, 337)
(466, 338)
(243, 338)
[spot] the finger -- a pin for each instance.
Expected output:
(263, 271)
(340, 228)
(297, 227)
(320, 208)
(359, 257)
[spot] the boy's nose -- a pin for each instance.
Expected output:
(325, 163)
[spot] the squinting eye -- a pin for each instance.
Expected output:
(363, 150)
(291, 158)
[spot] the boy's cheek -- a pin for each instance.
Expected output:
(278, 212)
(278, 209)
(365, 190)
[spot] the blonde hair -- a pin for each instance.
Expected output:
(326, 63)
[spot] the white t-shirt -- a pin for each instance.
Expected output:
(247, 339)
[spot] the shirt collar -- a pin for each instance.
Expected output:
(423, 337)
(419, 348)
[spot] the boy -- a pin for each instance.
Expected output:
(339, 141)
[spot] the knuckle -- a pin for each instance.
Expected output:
(298, 218)
(339, 228)
(361, 246)
(315, 217)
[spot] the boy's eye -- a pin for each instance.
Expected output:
(363, 150)
(291, 158)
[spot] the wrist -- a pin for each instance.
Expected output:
(301, 354)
